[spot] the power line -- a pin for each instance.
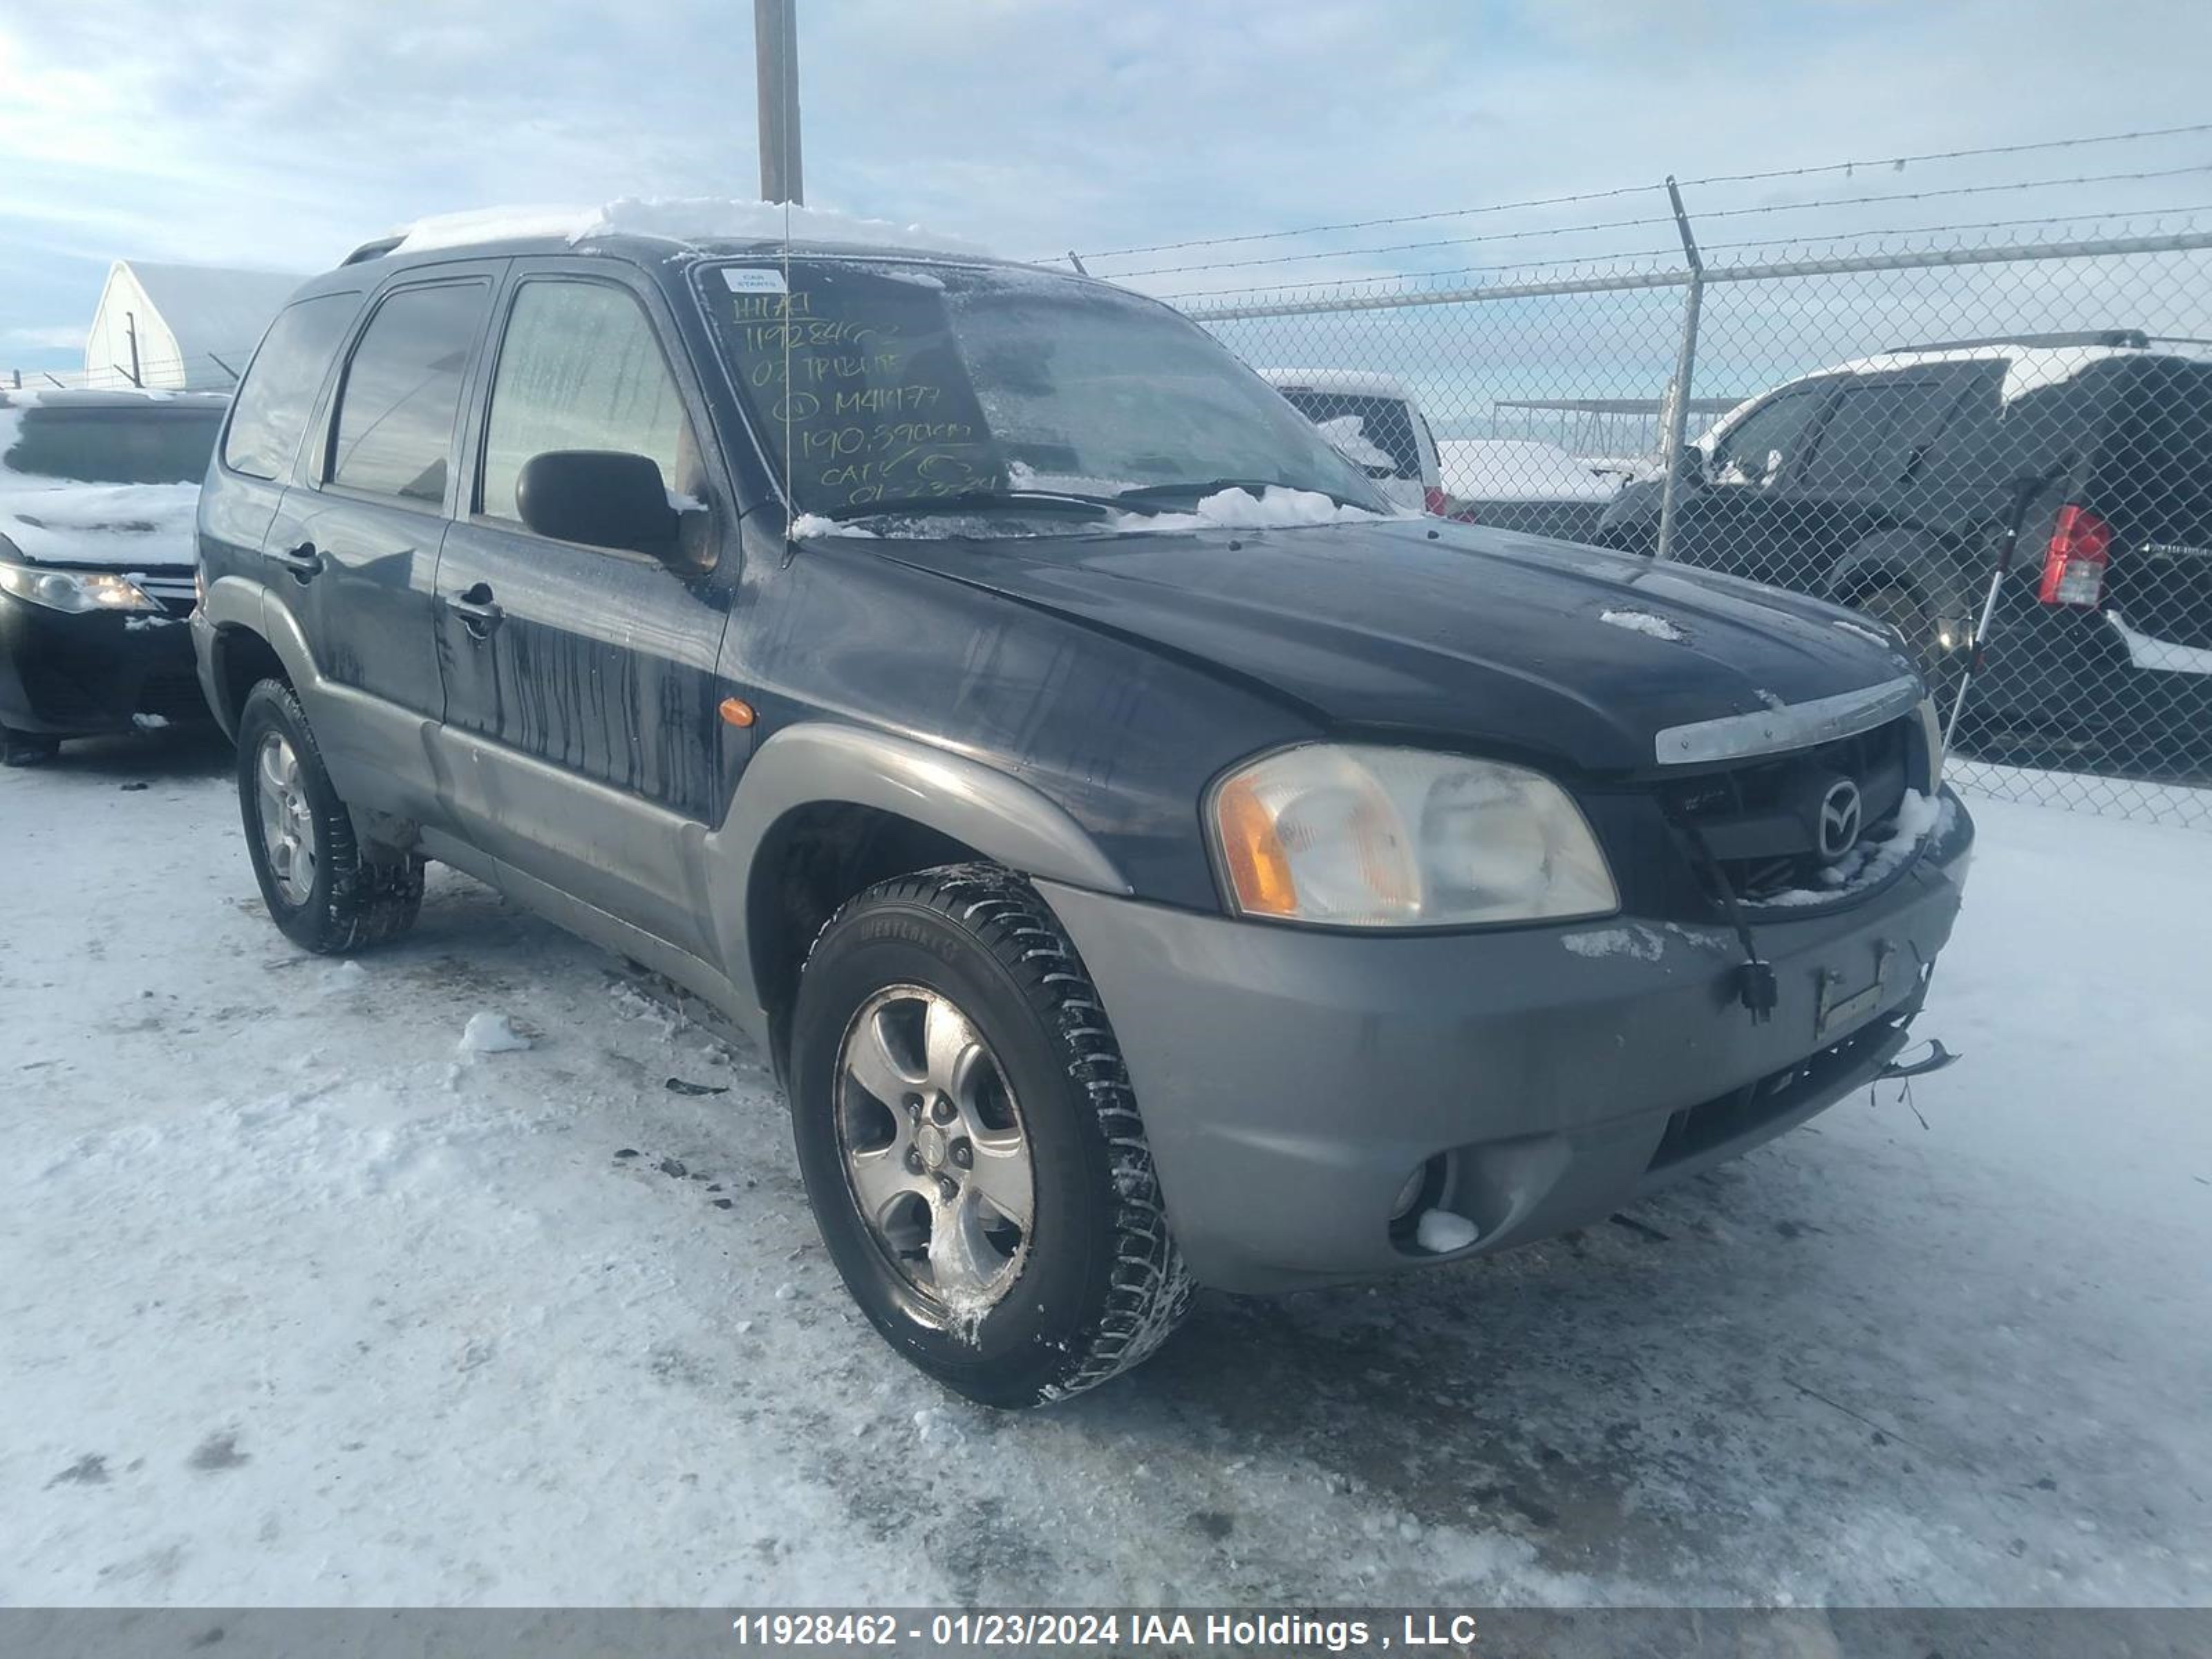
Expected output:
(1845, 168)
(1659, 219)
(1342, 282)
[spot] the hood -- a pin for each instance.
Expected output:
(91, 526)
(1428, 628)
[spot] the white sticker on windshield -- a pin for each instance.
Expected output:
(752, 279)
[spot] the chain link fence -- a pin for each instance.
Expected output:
(2001, 449)
(206, 371)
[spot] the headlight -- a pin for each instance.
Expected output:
(74, 590)
(1361, 835)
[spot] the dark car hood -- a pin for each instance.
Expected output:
(1424, 627)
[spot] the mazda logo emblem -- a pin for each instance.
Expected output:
(1841, 811)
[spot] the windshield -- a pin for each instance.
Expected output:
(111, 446)
(907, 382)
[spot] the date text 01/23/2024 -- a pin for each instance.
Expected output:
(1416, 1631)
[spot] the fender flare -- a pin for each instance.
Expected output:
(233, 602)
(1918, 559)
(816, 763)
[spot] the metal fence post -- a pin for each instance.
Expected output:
(1678, 413)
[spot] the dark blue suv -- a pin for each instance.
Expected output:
(1148, 858)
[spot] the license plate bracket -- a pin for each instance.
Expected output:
(1839, 1008)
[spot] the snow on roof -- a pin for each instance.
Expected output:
(211, 308)
(1345, 382)
(683, 219)
(2027, 368)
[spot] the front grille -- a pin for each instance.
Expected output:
(1760, 822)
(175, 594)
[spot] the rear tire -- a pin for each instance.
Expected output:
(1089, 1282)
(321, 893)
(1900, 608)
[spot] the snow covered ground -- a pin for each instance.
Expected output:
(302, 1303)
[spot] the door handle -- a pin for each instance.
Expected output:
(303, 561)
(477, 610)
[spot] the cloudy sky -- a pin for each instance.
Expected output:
(277, 133)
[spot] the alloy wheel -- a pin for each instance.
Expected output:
(288, 824)
(935, 1152)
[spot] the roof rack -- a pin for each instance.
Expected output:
(2092, 337)
(375, 250)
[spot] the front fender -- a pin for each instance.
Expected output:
(819, 762)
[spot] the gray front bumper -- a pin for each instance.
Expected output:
(1292, 1080)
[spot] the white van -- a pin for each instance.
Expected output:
(1376, 423)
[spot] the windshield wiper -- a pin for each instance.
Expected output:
(1215, 486)
(973, 500)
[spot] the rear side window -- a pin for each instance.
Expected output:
(1386, 423)
(113, 445)
(272, 406)
(1868, 438)
(403, 392)
(581, 369)
(1758, 447)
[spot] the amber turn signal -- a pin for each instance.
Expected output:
(738, 712)
(1258, 869)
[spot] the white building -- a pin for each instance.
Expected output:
(192, 326)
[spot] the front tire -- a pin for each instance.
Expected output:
(970, 1144)
(321, 893)
(27, 748)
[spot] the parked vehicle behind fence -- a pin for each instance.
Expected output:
(1147, 858)
(1524, 484)
(1888, 484)
(1374, 422)
(97, 491)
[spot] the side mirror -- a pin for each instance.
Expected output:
(600, 497)
(1690, 464)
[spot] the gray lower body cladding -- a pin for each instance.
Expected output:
(1291, 1081)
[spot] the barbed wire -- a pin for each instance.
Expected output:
(1700, 218)
(1820, 169)
(1622, 256)
(217, 370)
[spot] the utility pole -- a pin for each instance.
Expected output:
(776, 66)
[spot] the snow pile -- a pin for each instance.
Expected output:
(1518, 469)
(813, 524)
(1440, 1231)
(681, 218)
(1278, 507)
(1643, 622)
(1875, 861)
(1347, 435)
(490, 1033)
(60, 520)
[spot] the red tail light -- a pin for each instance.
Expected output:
(1435, 502)
(2074, 565)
